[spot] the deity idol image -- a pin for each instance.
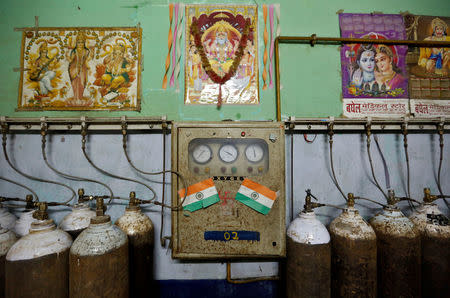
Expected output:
(115, 74)
(42, 71)
(78, 66)
(436, 60)
(221, 55)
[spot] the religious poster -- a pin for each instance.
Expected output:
(80, 69)
(429, 68)
(374, 77)
(221, 54)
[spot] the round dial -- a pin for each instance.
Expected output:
(202, 154)
(228, 153)
(254, 152)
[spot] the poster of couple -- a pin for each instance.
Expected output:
(374, 76)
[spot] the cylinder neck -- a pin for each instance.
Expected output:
(42, 226)
(100, 219)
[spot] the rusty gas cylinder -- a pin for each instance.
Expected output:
(99, 260)
(353, 255)
(308, 253)
(40, 260)
(23, 224)
(140, 232)
(7, 219)
(434, 230)
(77, 220)
(7, 239)
(399, 253)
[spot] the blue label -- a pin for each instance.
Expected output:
(231, 235)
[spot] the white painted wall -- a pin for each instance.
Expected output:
(311, 170)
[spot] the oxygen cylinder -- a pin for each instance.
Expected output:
(435, 240)
(140, 232)
(7, 219)
(23, 224)
(7, 239)
(37, 265)
(399, 261)
(353, 255)
(77, 220)
(99, 259)
(308, 255)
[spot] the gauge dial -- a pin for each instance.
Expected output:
(228, 153)
(202, 154)
(254, 153)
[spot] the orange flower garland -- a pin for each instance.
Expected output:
(205, 62)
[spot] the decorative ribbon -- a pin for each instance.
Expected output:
(277, 13)
(179, 35)
(169, 46)
(266, 38)
(174, 46)
(272, 40)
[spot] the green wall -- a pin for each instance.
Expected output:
(310, 77)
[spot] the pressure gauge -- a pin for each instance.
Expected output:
(228, 153)
(202, 154)
(254, 153)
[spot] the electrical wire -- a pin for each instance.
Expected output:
(330, 133)
(75, 178)
(18, 184)
(83, 148)
(29, 176)
(371, 164)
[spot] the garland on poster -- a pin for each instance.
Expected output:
(221, 54)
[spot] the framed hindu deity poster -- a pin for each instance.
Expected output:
(429, 68)
(221, 54)
(80, 68)
(374, 77)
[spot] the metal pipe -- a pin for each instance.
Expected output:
(313, 39)
(302, 124)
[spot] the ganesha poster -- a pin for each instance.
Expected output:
(221, 54)
(374, 77)
(429, 68)
(80, 69)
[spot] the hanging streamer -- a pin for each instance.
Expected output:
(277, 13)
(169, 46)
(272, 40)
(266, 39)
(174, 46)
(179, 35)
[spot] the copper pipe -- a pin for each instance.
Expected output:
(313, 39)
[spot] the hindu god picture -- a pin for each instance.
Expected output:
(221, 55)
(80, 69)
(429, 68)
(373, 70)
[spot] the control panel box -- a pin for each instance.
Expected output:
(235, 198)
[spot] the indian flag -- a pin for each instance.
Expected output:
(199, 195)
(256, 196)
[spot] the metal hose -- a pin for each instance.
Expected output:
(29, 176)
(21, 185)
(75, 178)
